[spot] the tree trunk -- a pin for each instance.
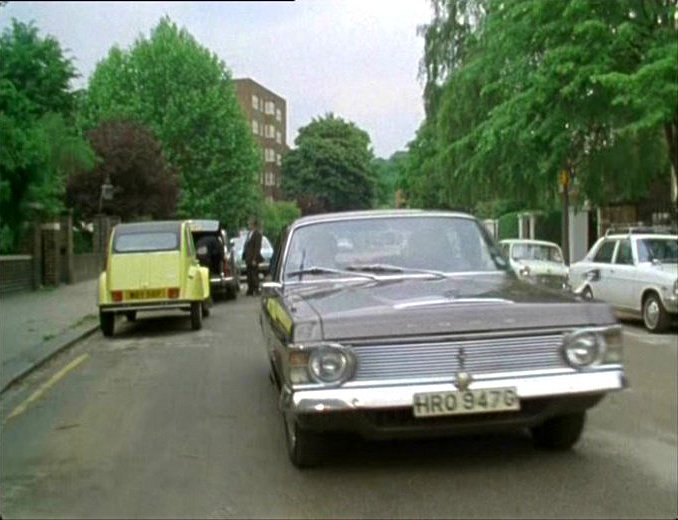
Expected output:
(671, 136)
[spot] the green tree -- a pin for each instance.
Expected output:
(388, 171)
(277, 215)
(518, 91)
(185, 95)
(331, 167)
(40, 147)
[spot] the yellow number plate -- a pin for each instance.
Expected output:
(146, 294)
(470, 401)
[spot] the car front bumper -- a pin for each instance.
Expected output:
(387, 411)
(671, 303)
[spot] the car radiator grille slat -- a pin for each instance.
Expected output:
(436, 360)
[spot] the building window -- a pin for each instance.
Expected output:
(270, 155)
(278, 114)
(270, 107)
(261, 105)
(270, 179)
(278, 159)
(255, 127)
(278, 137)
(270, 131)
(255, 101)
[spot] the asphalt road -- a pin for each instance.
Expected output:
(162, 421)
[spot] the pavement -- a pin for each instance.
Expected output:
(164, 422)
(34, 326)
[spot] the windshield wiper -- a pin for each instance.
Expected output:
(314, 270)
(388, 268)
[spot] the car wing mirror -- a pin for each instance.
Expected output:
(593, 275)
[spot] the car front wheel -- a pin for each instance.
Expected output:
(196, 315)
(559, 433)
(655, 317)
(107, 322)
(304, 447)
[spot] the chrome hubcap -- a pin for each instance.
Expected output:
(652, 314)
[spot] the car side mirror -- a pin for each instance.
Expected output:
(593, 275)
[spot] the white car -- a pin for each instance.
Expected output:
(536, 261)
(636, 272)
(237, 245)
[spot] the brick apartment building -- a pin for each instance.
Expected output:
(267, 114)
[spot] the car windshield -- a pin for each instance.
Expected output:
(392, 245)
(542, 252)
(664, 250)
(148, 241)
(265, 244)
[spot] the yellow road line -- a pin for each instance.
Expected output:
(46, 386)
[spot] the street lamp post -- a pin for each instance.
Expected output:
(102, 225)
(106, 193)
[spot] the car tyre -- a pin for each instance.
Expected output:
(304, 447)
(559, 433)
(107, 322)
(206, 307)
(131, 316)
(231, 292)
(196, 315)
(655, 317)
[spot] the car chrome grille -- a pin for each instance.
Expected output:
(445, 359)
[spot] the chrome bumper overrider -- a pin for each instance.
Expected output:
(562, 385)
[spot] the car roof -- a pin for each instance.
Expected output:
(378, 213)
(619, 236)
(149, 227)
(205, 225)
(528, 241)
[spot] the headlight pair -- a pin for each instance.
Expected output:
(328, 364)
(590, 347)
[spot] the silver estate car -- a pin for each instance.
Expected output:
(432, 335)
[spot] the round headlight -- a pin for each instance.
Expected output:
(582, 351)
(329, 364)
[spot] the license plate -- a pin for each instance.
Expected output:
(432, 404)
(146, 294)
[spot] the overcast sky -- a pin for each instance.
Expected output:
(357, 58)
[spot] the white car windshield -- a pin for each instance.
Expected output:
(542, 252)
(391, 245)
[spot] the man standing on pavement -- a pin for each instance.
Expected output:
(252, 256)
